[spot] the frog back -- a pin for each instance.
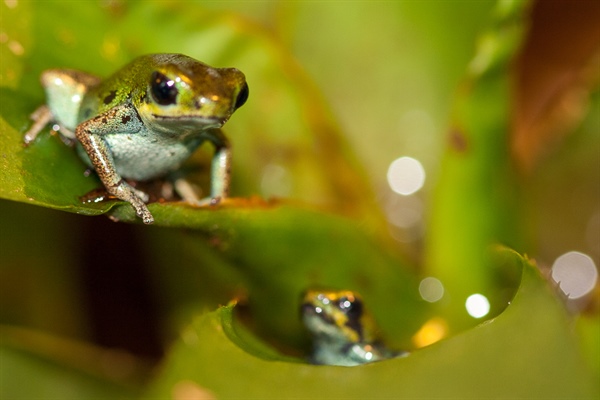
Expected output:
(121, 87)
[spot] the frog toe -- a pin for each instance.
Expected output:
(209, 201)
(142, 212)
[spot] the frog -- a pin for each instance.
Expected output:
(144, 121)
(343, 332)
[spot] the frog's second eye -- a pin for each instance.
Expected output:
(163, 89)
(351, 307)
(242, 96)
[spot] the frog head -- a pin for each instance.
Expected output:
(181, 93)
(334, 316)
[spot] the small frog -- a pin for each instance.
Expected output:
(144, 121)
(342, 331)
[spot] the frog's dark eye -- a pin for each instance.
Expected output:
(163, 89)
(242, 96)
(352, 307)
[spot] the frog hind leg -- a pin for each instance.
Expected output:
(64, 92)
(41, 117)
(122, 118)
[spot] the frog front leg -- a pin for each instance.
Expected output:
(220, 172)
(220, 168)
(120, 119)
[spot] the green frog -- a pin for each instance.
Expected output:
(342, 331)
(144, 121)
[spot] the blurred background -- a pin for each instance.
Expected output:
(390, 73)
(441, 127)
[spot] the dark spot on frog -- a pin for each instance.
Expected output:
(356, 326)
(104, 120)
(458, 140)
(125, 119)
(111, 96)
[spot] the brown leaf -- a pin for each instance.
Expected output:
(558, 66)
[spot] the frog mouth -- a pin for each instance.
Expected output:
(194, 120)
(354, 325)
(313, 311)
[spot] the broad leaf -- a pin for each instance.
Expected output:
(523, 353)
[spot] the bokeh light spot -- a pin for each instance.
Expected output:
(406, 175)
(432, 331)
(276, 181)
(431, 289)
(575, 273)
(477, 305)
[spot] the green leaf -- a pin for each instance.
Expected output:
(523, 353)
(38, 366)
(278, 250)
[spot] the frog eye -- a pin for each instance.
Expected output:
(352, 307)
(163, 89)
(242, 96)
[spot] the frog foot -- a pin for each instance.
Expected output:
(142, 211)
(136, 198)
(40, 117)
(144, 214)
(209, 201)
(188, 193)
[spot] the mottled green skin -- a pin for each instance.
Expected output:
(342, 331)
(123, 131)
(169, 135)
(219, 88)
